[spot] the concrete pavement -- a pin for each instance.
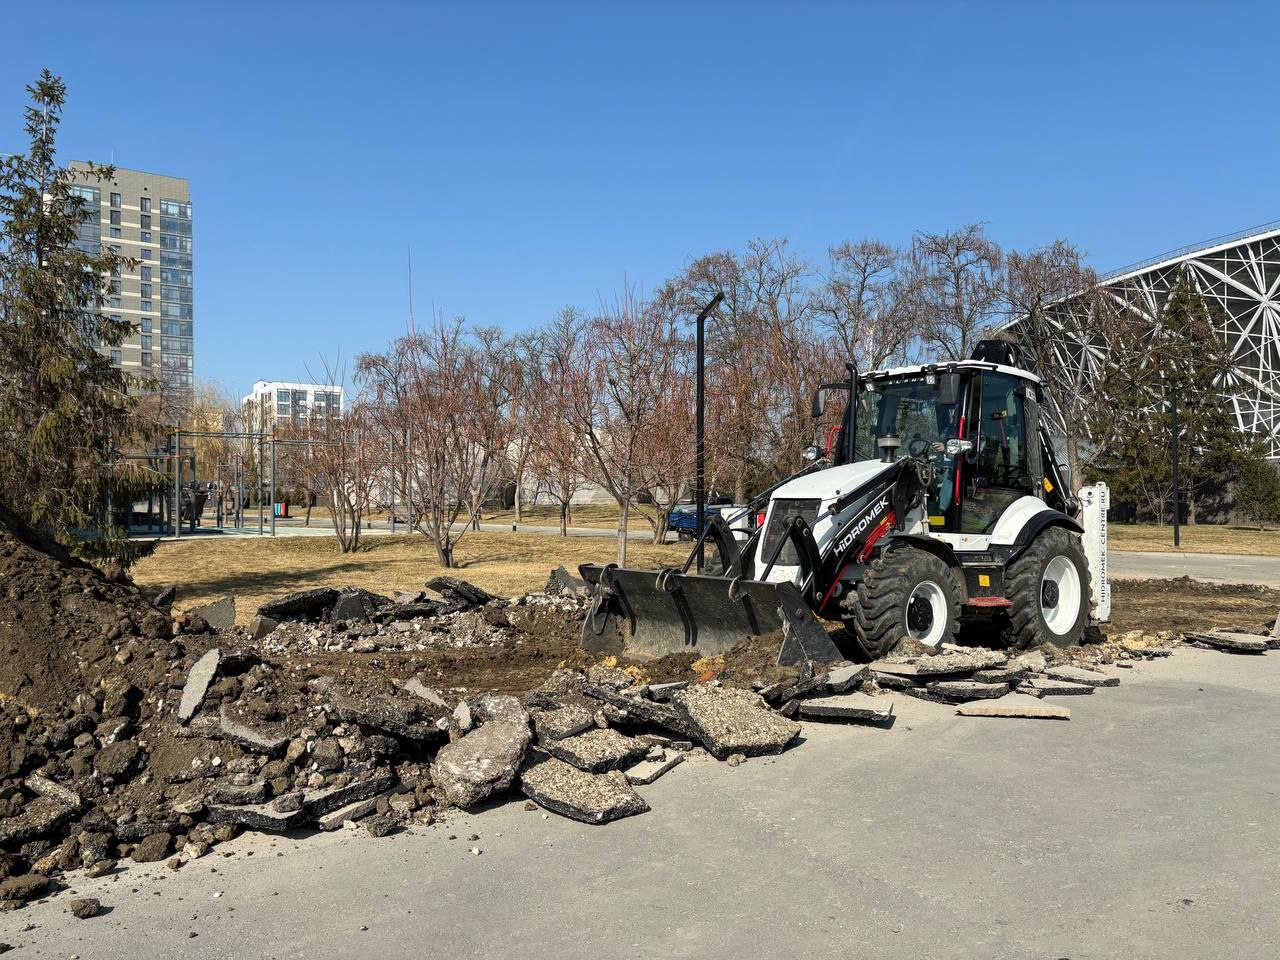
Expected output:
(1211, 567)
(1143, 827)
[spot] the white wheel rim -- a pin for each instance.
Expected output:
(929, 622)
(1061, 585)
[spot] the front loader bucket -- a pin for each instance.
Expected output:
(662, 612)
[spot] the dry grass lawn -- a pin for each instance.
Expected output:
(255, 570)
(1215, 538)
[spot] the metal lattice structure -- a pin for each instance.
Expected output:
(1241, 275)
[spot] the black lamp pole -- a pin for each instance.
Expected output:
(700, 429)
(1177, 529)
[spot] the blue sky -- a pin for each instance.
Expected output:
(534, 155)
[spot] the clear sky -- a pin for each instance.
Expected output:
(533, 155)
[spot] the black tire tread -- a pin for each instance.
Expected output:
(1022, 586)
(874, 612)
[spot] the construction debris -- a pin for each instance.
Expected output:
(1055, 688)
(482, 763)
(728, 720)
(1014, 705)
(1231, 642)
(849, 706)
(573, 793)
(597, 750)
(962, 690)
(654, 766)
(1090, 678)
(197, 685)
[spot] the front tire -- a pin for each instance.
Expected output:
(1049, 587)
(905, 593)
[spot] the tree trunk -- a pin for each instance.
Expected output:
(1073, 462)
(564, 518)
(624, 514)
(519, 501)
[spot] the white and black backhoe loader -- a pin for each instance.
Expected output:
(937, 499)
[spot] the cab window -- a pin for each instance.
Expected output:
(999, 465)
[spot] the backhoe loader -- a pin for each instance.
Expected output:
(937, 499)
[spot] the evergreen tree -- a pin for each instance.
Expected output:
(1176, 359)
(1257, 488)
(62, 402)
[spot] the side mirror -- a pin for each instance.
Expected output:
(1065, 472)
(811, 452)
(956, 446)
(819, 403)
(949, 389)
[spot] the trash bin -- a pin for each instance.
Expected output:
(282, 509)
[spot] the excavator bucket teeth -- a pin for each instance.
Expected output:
(669, 612)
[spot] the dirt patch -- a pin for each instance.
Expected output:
(1185, 604)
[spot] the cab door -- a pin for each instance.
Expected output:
(1000, 467)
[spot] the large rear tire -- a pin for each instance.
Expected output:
(1049, 587)
(906, 593)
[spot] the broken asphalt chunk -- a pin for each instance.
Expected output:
(1055, 688)
(197, 685)
(573, 793)
(942, 664)
(1014, 705)
(1230, 642)
(956, 690)
(302, 605)
(563, 722)
(1090, 678)
(647, 771)
(597, 750)
(643, 712)
(243, 735)
(480, 764)
(849, 706)
(728, 720)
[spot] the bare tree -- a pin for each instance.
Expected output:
(629, 357)
(959, 289)
(1063, 338)
(865, 302)
(555, 454)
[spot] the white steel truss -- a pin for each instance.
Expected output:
(1241, 275)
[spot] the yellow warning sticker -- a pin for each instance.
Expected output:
(984, 580)
(1048, 487)
(937, 521)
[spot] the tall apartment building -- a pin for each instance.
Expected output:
(147, 217)
(274, 403)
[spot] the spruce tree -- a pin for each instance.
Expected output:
(63, 404)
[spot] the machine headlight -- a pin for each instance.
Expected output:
(781, 515)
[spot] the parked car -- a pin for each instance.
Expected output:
(683, 519)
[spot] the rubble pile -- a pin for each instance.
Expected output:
(130, 733)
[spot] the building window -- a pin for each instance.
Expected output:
(146, 341)
(145, 254)
(146, 324)
(145, 273)
(145, 291)
(146, 306)
(115, 358)
(145, 237)
(145, 204)
(115, 286)
(115, 202)
(113, 303)
(115, 214)
(115, 318)
(146, 359)
(115, 232)
(146, 221)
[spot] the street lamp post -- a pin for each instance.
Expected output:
(700, 429)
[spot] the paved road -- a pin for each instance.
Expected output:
(1213, 567)
(1144, 827)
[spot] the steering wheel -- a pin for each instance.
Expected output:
(919, 447)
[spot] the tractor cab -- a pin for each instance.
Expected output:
(975, 423)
